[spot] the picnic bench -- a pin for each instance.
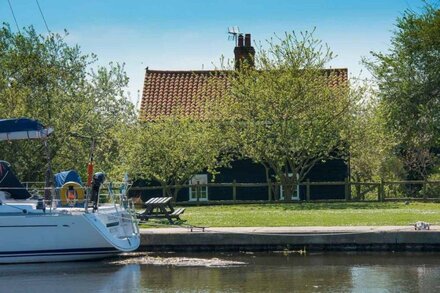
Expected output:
(160, 208)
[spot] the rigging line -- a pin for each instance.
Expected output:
(13, 15)
(42, 15)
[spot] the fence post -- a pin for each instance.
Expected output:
(347, 189)
(198, 193)
(380, 190)
(308, 189)
(234, 190)
(269, 191)
(424, 188)
(275, 196)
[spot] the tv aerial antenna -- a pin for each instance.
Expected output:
(234, 32)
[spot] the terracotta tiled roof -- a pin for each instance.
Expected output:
(184, 92)
(339, 76)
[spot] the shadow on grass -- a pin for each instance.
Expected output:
(161, 223)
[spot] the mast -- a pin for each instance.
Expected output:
(49, 191)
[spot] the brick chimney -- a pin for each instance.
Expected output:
(244, 51)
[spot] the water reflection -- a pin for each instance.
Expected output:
(263, 272)
(69, 277)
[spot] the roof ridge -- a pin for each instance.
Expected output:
(219, 70)
(186, 71)
(336, 68)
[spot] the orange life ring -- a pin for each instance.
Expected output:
(71, 194)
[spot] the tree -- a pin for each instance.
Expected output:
(408, 78)
(289, 112)
(47, 79)
(371, 144)
(172, 149)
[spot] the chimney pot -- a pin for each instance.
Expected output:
(247, 40)
(244, 53)
(240, 40)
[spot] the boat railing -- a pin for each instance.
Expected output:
(109, 193)
(119, 198)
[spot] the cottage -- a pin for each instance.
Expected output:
(165, 90)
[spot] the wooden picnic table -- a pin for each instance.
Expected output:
(160, 208)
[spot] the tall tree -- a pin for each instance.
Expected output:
(47, 79)
(288, 113)
(371, 144)
(408, 79)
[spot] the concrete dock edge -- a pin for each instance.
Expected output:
(389, 238)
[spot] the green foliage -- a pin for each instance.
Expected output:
(408, 79)
(288, 113)
(371, 143)
(172, 149)
(46, 79)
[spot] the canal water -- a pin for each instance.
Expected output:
(224, 272)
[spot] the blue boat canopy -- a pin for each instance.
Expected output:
(22, 128)
(67, 176)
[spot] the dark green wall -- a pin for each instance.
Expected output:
(245, 171)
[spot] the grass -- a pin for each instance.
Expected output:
(310, 214)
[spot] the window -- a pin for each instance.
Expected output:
(200, 192)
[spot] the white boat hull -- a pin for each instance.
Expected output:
(35, 236)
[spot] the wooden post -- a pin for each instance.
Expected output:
(269, 191)
(234, 190)
(379, 187)
(347, 189)
(308, 189)
(276, 191)
(424, 188)
(380, 191)
(198, 193)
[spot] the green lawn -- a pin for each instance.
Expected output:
(310, 214)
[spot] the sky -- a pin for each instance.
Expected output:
(192, 34)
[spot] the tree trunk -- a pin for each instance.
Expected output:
(166, 191)
(289, 191)
(288, 186)
(270, 186)
(175, 193)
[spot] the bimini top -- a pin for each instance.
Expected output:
(22, 128)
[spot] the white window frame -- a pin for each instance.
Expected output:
(297, 189)
(203, 189)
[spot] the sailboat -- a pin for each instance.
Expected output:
(65, 223)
